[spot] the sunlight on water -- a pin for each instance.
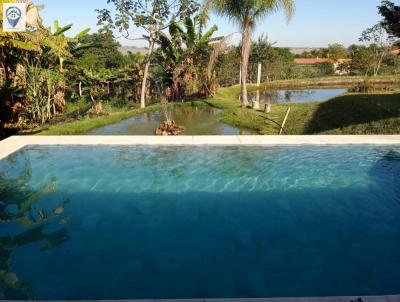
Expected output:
(196, 120)
(298, 96)
(188, 222)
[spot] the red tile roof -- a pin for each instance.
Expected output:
(396, 52)
(311, 61)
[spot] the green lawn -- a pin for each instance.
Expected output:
(346, 114)
(87, 124)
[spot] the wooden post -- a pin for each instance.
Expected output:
(284, 121)
(267, 108)
(256, 102)
(259, 75)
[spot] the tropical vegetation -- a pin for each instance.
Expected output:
(49, 78)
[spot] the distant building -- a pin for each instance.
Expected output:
(311, 61)
(396, 52)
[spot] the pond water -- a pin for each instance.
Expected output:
(298, 96)
(84, 223)
(196, 120)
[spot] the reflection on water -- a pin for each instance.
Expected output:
(296, 96)
(24, 221)
(196, 120)
(387, 170)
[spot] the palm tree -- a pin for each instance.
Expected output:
(246, 13)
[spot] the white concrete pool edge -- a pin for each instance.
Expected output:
(389, 298)
(14, 143)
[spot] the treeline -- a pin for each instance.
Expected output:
(276, 64)
(279, 63)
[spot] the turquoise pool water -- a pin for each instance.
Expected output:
(189, 222)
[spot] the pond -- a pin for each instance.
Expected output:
(298, 96)
(124, 222)
(196, 120)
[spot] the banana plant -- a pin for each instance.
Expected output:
(177, 51)
(62, 46)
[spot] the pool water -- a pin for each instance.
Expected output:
(298, 96)
(196, 120)
(189, 222)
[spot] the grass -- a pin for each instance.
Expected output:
(87, 124)
(346, 114)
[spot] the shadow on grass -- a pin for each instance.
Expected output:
(352, 110)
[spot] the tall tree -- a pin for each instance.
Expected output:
(337, 51)
(152, 16)
(379, 44)
(246, 13)
(391, 14)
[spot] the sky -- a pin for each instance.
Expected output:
(316, 23)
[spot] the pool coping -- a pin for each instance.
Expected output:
(14, 143)
(388, 298)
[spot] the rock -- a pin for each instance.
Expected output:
(169, 128)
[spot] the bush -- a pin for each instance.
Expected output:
(326, 68)
(363, 87)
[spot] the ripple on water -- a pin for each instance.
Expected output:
(155, 222)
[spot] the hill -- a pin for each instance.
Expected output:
(125, 49)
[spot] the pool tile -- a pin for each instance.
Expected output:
(364, 299)
(155, 300)
(393, 298)
(304, 299)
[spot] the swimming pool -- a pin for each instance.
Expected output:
(124, 222)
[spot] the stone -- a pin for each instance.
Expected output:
(169, 128)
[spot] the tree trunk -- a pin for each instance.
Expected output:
(80, 89)
(245, 54)
(146, 73)
(48, 107)
(378, 67)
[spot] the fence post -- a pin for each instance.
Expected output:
(259, 75)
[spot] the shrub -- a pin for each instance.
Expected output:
(364, 87)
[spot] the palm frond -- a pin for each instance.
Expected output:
(82, 33)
